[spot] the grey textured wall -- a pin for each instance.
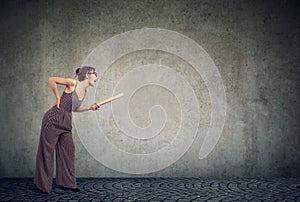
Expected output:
(254, 44)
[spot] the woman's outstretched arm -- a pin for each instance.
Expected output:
(93, 107)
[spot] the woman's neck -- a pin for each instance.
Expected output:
(82, 85)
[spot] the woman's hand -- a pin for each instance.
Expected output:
(57, 103)
(94, 107)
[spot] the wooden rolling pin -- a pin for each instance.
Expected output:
(109, 100)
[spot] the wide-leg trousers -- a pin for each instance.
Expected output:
(61, 141)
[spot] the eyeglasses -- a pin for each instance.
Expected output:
(93, 73)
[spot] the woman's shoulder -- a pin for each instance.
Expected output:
(63, 81)
(72, 81)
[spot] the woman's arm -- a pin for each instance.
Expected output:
(68, 82)
(93, 107)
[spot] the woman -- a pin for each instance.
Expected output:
(56, 131)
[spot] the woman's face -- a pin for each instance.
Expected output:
(92, 78)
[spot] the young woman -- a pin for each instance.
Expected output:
(56, 131)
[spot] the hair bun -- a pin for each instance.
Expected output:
(77, 70)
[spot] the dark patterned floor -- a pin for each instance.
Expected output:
(157, 189)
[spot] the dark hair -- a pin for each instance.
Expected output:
(81, 72)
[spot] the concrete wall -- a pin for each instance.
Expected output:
(253, 44)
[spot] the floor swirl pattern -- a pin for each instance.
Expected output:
(157, 189)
